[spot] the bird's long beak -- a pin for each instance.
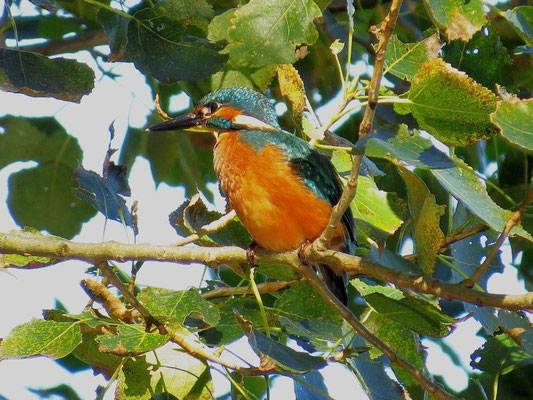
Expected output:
(185, 121)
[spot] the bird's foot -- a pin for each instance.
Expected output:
(250, 253)
(301, 251)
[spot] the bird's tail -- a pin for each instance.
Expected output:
(337, 284)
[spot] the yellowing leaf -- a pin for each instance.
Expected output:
(403, 59)
(450, 105)
(458, 19)
(292, 89)
(425, 214)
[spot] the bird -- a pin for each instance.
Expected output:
(281, 187)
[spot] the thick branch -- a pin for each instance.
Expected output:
(383, 32)
(51, 246)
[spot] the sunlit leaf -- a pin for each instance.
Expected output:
(166, 373)
(403, 59)
(266, 32)
(130, 340)
(173, 306)
(293, 90)
(514, 117)
(464, 185)
(499, 356)
(450, 105)
(457, 18)
(41, 338)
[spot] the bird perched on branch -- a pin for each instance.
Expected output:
(282, 189)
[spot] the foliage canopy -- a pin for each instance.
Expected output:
(446, 170)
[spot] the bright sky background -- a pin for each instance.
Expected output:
(23, 295)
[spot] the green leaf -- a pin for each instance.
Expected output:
(266, 32)
(173, 306)
(315, 382)
(405, 343)
(301, 301)
(462, 183)
(166, 373)
(39, 76)
(192, 215)
(521, 18)
(58, 211)
(41, 338)
(228, 329)
(61, 391)
(255, 78)
(514, 117)
(284, 357)
(29, 262)
(450, 105)
(168, 41)
(375, 381)
(458, 19)
(319, 332)
(336, 47)
(179, 159)
(293, 90)
(403, 59)
(413, 313)
(401, 145)
(499, 356)
(131, 340)
(45, 141)
(425, 216)
(377, 213)
(482, 58)
(37, 139)
(102, 363)
(365, 289)
(116, 30)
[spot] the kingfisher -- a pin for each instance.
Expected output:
(282, 188)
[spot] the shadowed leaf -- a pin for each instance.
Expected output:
(39, 76)
(168, 41)
(130, 340)
(521, 18)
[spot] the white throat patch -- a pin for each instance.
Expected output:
(252, 123)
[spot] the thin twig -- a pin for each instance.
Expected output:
(384, 32)
(267, 287)
(514, 219)
(212, 227)
(82, 41)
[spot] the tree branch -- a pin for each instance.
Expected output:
(514, 219)
(383, 32)
(51, 246)
(82, 41)
(267, 287)
(307, 272)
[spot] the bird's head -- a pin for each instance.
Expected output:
(227, 109)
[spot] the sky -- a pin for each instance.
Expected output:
(23, 294)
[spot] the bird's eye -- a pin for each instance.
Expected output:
(212, 106)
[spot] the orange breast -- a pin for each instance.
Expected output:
(271, 201)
